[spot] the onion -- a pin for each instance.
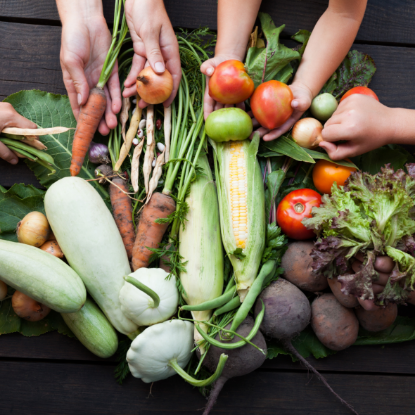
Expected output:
(307, 132)
(3, 290)
(33, 229)
(27, 308)
(52, 247)
(154, 88)
(98, 153)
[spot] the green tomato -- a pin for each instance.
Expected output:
(323, 106)
(228, 124)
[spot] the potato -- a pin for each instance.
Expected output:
(379, 319)
(349, 301)
(297, 267)
(335, 325)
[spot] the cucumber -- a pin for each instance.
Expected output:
(92, 244)
(93, 329)
(41, 276)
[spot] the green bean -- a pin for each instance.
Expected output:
(230, 284)
(23, 153)
(38, 153)
(53, 171)
(253, 293)
(212, 304)
(229, 306)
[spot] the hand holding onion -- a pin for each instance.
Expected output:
(154, 88)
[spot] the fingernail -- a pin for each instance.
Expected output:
(159, 67)
(209, 71)
(294, 104)
(79, 99)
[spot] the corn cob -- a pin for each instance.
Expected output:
(242, 208)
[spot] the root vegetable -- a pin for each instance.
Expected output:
(349, 300)
(52, 248)
(335, 325)
(378, 319)
(27, 308)
(33, 229)
(307, 132)
(3, 290)
(154, 88)
(297, 267)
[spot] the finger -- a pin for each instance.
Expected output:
(72, 94)
(8, 155)
(207, 68)
(110, 117)
(339, 151)
(173, 65)
(368, 305)
(103, 128)
(77, 75)
(382, 279)
(218, 106)
(142, 104)
(334, 132)
(357, 266)
(300, 104)
(384, 264)
(114, 90)
(208, 104)
(359, 256)
(17, 120)
(255, 123)
(151, 41)
(261, 131)
(377, 288)
(241, 105)
(277, 132)
(136, 67)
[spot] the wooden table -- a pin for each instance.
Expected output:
(53, 374)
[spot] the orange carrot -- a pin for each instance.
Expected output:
(150, 233)
(123, 213)
(89, 118)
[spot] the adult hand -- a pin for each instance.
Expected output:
(154, 42)
(85, 43)
(9, 117)
(362, 122)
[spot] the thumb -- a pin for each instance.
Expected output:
(77, 75)
(301, 104)
(337, 151)
(207, 68)
(153, 52)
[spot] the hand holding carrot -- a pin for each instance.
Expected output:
(154, 43)
(9, 117)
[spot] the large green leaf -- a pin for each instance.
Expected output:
(322, 155)
(287, 147)
(50, 110)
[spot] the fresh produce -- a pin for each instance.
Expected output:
(52, 248)
(3, 290)
(293, 208)
(41, 276)
(323, 106)
(33, 229)
(200, 244)
(91, 113)
(364, 90)
(325, 173)
(93, 329)
(165, 349)
(27, 308)
(241, 207)
(307, 133)
(98, 153)
(371, 214)
(152, 87)
(348, 301)
(228, 124)
(271, 104)
(91, 242)
(123, 212)
(149, 296)
(230, 83)
(378, 319)
(335, 326)
(241, 361)
(296, 263)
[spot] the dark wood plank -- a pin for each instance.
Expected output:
(19, 173)
(52, 388)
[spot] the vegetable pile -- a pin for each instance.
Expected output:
(204, 239)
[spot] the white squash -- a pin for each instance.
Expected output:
(92, 244)
(140, 307)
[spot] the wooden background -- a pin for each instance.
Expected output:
(53, 374)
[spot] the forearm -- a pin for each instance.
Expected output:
(76, 9)
(401, 126)
(236, 19)
(329, 43)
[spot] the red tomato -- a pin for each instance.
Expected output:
(271, 104)
(230, 83)
(364, 90)
(293, 208)
(325, 173)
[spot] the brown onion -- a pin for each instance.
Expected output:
(33, 229)
(52, 247)
(154, 88)
(3, 290)
(27, 308)
(307, 132)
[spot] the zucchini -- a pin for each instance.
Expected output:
(92, 244)
(93, 329)
(41, 276)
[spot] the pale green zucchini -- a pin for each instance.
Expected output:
(41, 276)
(92, 244)
(93, 329)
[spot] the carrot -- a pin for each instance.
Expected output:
(89, 118)
(123, 213)
(149, 232)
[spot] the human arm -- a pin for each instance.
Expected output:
(236, 19)
(329, 43)
(154, 41)
(85, 43)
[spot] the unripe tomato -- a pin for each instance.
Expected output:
(325, 173)
(323, 106)
(363, 90)
(230, 83)
(293, 208)
(271, 104)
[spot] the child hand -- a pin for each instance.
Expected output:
(9, 117)
(363, 122)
